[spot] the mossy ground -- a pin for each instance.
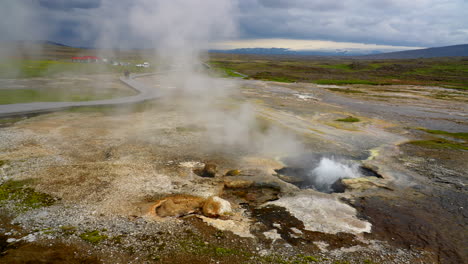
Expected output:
(93, 237)
(349, 119)
(439, 143)
(22, 197)
(444, 140)
(444, 72)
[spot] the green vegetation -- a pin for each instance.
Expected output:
(443, 72)
(9, 120)
(349, 119)
(23, 198)
(93, 237)
(13, 96)
(46, 68)
(68, 230)
(231, 73)
(458, 135)
(439, 143)
(342, 82)
(2, 162)
(458, 140)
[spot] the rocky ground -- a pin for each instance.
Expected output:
(170, 182)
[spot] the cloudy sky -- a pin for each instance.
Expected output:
(295, 24)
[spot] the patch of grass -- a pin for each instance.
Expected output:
(459, 135)
(2, 162)
(298, 259)
(45, 68)
(220, 251)
(231, 73)
(68, 230)
(345, 67)
(357, 81)
(10, 120)
(349, 119)
(14, 96)
(22, 197)
(93, 237)
(445, 72)
(439, 143)
(310, 259)
(341, 90)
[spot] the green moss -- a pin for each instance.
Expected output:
(225, 251)
(68, 230)
(93, 237)
(439, 144)
(310, 259)
(231, 73)
(10, 120)
(349, 119)
(22, 197)
(2, 162)
(459, 135)
(298, 259)
(368, 261)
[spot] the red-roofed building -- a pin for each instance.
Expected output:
(86, 59)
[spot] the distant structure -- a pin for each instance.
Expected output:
(144, 65)
(86, 59)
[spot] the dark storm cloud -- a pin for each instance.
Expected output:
(70, 4)
(388, 22)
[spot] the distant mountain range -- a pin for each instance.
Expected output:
(448, 51)
(282, 51)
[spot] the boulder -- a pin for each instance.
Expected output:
(177, 205)
(237, 184)
(361, 184)
(232, 173)
(338, 186)
(209, 170)
(215, 207)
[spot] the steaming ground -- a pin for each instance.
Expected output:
(107, 168)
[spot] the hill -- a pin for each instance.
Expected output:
(282, 51)
(447, 51)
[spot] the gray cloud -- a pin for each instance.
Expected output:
(70, 4)
(390, 22)
(387, 22)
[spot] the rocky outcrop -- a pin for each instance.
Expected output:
(181, 205)
(237, 183)
(232, 173)
(362, 184)
(177, 205)
(215, 207)
(209, 170)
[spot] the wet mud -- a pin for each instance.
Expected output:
(433, 222)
